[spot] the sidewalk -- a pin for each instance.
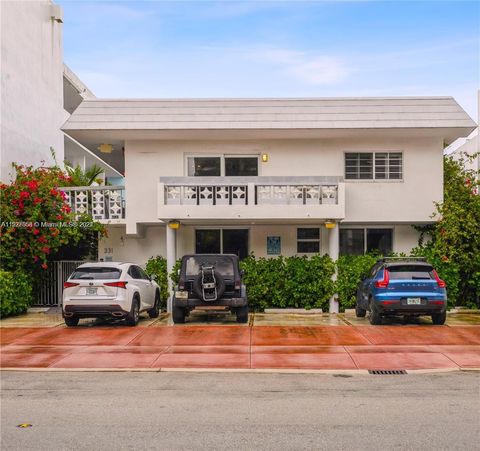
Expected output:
(332, 342)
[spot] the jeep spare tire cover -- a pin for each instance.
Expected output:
(219, 283)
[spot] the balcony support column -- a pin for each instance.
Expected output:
(333, 251)
(171, 246)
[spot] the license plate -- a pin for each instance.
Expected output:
(91, 291)
(181, 294)
(414, 301)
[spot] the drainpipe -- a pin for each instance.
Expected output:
(333, 250)
(172, 227)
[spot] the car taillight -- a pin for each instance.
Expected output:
(116, 284)
(441, 283)
(384, 282)
(70, 284)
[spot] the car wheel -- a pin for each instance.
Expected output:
(375, 317)
(178, 315)
(155, 311)
(242, 314)
(132, 318)
(72, 321)
(360, 312)
(439, 318)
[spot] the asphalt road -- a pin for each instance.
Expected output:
(239, 411)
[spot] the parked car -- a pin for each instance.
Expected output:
(119, 290)
(210, 281)
(402, 286)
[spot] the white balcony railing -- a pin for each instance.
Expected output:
(101, 202)
(251, 197)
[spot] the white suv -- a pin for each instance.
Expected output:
(120, 290)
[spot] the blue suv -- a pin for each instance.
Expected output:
(402, 286)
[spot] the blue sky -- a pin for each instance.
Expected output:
(275, 49)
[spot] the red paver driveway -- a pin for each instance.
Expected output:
(257, 347)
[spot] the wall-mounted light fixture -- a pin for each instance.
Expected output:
(105, 148)
(330, 224)
(264, 157)
(175, 225)
(56, 13)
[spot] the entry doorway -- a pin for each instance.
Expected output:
(222, 241)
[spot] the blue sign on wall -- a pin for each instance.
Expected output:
(274, 246)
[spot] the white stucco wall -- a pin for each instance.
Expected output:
(407, 201)
(121, 247)
(31, 84)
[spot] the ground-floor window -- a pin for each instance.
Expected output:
(222, 241)
(308, 240)
(358, 241)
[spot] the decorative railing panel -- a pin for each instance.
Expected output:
(101, 202)
(206, 194)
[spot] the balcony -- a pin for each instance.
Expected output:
(105, 204)
(251, 198)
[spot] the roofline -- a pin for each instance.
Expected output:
(280, 99)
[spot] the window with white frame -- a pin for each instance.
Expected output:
(373, 166)
(308, 240)
(358, 241)
(222, 165)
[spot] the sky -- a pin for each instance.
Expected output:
(233, 49)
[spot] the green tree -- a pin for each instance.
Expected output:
(452, 244)
(80, 177)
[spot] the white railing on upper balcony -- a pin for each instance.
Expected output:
(251, 190)
(101, 202)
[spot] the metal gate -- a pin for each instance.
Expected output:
(49, 291)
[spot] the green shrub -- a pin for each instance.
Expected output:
(15, 292)
(174, 277)
(156, 268)
(289, 282)
(351, 270)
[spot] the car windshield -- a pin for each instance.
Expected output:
(103, 273)
(414, 272)
(223, 265)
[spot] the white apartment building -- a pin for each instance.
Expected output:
(268, 176)
(38, 92)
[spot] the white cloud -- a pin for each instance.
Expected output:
(308, 68)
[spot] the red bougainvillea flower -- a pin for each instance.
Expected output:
(24, 194)
(66, 209)
(36, 231)
(42, 239)
(59, 217)
(35, 258)
(45, 249)
(55, 232)
(44, 266)
(37, 201)
(54, 192)
(33, 185)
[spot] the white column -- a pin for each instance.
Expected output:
(333, 250)
(171, 259)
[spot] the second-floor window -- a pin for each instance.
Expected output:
(222, 165)
(373, 166)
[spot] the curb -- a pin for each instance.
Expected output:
(230, 370)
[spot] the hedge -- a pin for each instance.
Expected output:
(289, 282)
(15, 292)
(351, 270)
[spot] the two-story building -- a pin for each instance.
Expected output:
(268, 176)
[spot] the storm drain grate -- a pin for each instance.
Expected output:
(392, 372)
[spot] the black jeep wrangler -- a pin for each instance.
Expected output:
(209, 281)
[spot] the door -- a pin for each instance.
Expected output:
(222, 241)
